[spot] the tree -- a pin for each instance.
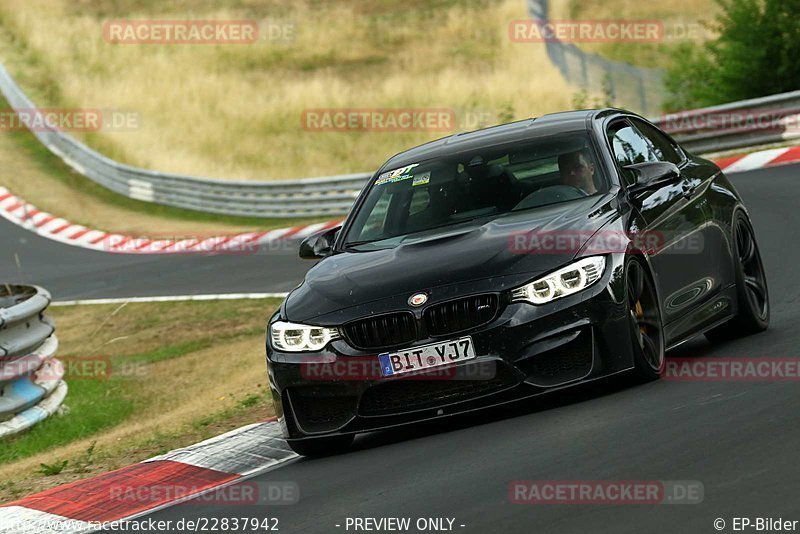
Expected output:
(756, 53)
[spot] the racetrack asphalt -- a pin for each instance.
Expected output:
(72, 273)
(739, 439)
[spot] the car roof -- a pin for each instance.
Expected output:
(523, 130)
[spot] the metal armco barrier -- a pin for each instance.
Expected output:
(333, 196)
(754, 122)
(31, 379)
(309, 197)
(747, 123)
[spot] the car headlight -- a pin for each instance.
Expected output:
(571, 279)
(292, 337)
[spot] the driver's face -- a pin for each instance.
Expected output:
(579, 172)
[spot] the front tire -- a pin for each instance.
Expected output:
(751, 287)
(647, 331)
(315, 447)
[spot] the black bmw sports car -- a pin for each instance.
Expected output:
(496, 265)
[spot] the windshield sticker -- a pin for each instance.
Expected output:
(396, 175)
(422, 179)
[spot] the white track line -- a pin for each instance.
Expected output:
(179, 298)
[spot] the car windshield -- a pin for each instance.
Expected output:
(479, 184)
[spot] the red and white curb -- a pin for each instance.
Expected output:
(759, 160)
(163, 481)
(26, 215)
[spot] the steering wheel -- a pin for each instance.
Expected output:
(551, 195)
(565, 192)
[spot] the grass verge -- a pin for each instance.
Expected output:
(682, 20)
(35, 174)
(31, 171)
(153, 377)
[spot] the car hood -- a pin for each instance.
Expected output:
(468, 258)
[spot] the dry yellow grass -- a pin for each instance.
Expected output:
(197, 364)
(683, 21)
(235, 111)
(633, 9)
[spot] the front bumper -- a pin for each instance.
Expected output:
(526, 351)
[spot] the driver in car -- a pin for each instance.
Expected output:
(577, 170)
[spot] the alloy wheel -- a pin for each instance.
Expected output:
(754, 279)
(644, 317)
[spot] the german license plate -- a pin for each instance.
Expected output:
(427, 356)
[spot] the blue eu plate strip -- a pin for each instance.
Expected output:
(386, 365)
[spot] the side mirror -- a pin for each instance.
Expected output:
(319, 245)
(651, 175)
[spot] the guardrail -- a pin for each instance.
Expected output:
(747, 123)
(332, 196)
(31, 379)
(309, 197)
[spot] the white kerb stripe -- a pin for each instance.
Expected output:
(20, 210)
(10, 201)
(72, 230)
(40, 217)
(19, 520)
(755, 161)
(90, 236)
(53, 225)
(273, 234)
(308, 230)
(242, 451)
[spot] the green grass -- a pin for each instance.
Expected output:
(678, 16)
(94, 405)
(98, 403)
(169, 352)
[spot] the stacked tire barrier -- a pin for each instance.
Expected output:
(31, 379)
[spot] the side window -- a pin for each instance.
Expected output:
(662, 146)
(629, 145)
